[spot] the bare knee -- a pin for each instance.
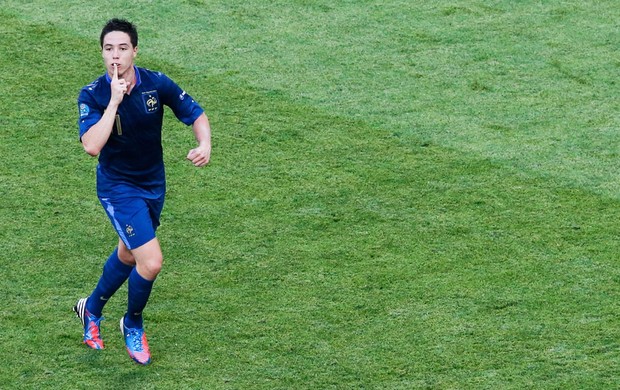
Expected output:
(125, 255)
(150, 267)
(149, 259)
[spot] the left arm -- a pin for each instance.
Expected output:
(201, 155)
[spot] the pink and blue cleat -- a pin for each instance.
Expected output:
(90, 323)
(135, 341)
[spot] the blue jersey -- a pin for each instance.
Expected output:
(131, 162)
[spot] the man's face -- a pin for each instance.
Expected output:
(117, 49)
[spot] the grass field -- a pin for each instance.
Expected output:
(402, 195)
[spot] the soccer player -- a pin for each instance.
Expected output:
(120, 120)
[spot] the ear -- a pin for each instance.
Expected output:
(135, 51)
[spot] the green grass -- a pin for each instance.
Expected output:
(402, 195)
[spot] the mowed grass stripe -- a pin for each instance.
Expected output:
(528, 84)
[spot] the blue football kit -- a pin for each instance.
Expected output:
(131, 181)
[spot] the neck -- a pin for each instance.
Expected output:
(130, 75)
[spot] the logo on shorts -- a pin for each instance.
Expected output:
(130, 231)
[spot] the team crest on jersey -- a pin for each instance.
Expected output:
(151, 101)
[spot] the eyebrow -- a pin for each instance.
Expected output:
(120, 44)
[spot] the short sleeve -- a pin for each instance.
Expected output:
(181, 103)
(89, 113)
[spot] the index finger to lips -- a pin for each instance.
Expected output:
(115, 75)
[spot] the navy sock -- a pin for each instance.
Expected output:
(138, 295)
(114, 275)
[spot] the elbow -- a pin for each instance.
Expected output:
(92, 141)
(91, 151)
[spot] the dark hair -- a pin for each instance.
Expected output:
(120, 25)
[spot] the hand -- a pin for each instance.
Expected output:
(200, 156)
(118, 87)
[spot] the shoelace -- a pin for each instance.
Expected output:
(135, 337)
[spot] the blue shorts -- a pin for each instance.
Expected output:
(134, 219)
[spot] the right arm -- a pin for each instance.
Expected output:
(97, 136)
